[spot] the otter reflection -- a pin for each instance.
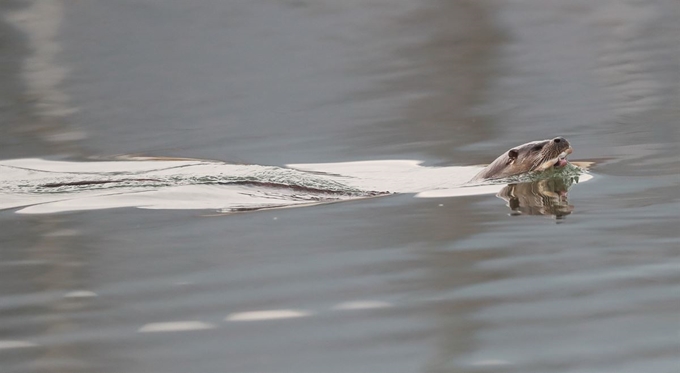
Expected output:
(540, 197)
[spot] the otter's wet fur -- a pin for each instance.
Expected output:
(529, 157)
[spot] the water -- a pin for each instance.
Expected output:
(436, 284)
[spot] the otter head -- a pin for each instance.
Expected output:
(529, 157)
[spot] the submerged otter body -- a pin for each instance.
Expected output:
(529, 157)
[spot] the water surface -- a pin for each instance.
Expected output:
(396, 284)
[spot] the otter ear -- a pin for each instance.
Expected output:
(512, 154)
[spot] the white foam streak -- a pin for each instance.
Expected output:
(399, 176)
(361, 305)
(6, 345)
(175, 326)
(80, 294)
(267, 315)
(179, 183)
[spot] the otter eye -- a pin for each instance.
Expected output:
(537, 148)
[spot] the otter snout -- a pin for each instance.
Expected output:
(561, 140)
(562, 145)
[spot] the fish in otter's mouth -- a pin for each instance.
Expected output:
(532, 156)
(557, 162)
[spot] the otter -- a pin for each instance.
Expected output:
(529, 157)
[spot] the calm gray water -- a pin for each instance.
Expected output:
(394, 284)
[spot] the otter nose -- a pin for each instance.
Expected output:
(558, 140)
